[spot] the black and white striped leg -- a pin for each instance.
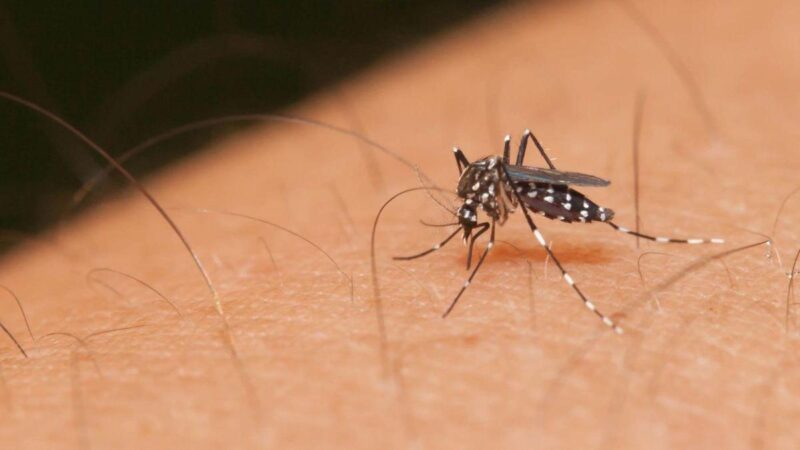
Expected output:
(489, 246)
(461, 159)
(483, 227)
(523, 144)
(507, 149)
(570, 281)
(666, 240)
(430, 250)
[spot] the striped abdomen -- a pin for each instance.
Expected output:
(558, 201)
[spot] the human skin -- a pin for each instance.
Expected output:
(298, 358)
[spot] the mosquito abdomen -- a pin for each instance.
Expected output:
(560, 202)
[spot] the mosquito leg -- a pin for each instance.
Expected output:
(430, 250)
(570, 281)
(523, 144)
(438, 225)
(666, 240)
(483, 227)
(461, 160)
(489, 246)
(507, 149)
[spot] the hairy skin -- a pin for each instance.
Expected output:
(299, 360)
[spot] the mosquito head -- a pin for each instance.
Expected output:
(468, 217)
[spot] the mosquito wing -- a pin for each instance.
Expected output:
(540, 175)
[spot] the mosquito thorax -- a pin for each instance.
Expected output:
(483, 184)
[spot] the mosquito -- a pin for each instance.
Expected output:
(497, 187)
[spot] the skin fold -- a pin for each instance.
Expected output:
(305, 355)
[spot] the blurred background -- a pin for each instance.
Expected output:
(124, 71)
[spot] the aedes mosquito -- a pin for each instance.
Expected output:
(497, 187)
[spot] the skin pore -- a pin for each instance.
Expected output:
(300, 356)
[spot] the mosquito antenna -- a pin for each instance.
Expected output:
(139, 186)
